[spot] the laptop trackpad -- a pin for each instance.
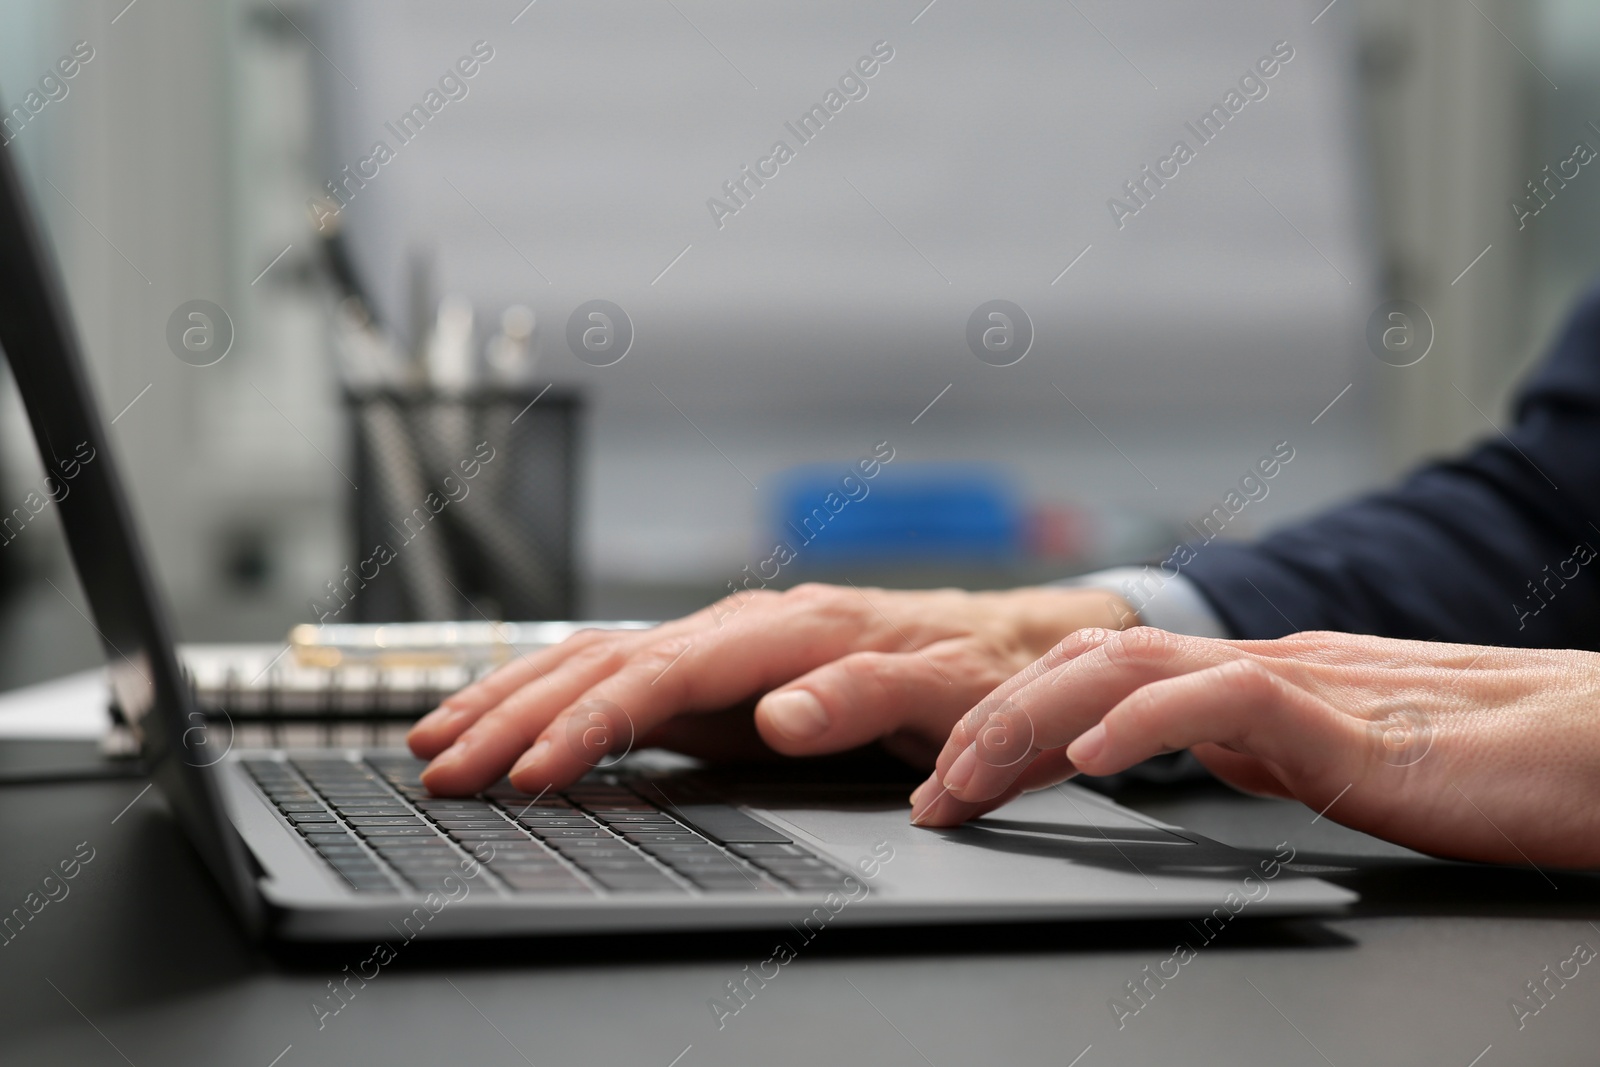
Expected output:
(1044, 821)
(1076, 832)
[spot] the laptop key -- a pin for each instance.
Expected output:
(708, 881)
(791, 863)
(378, 884)
(508, 834)
(620, 865)
(324, 831)
(753, 881)
(422, 858)
(527, 863)
(542, 885)
(588, 862)
(563, 837)
(679, 848)
(333, 847)
(767, 850)
(263, 766)
(396, 848)
(418, 861)
(598, 842)
(523, 859)
(430, 884)
(705, 867)
(384, 820)
(690, 854)
(428, 836)
(396, 831)
(814, 880)
(522, 876)
(664, 839)
(729, 825)
(629, 883)
(609, 856)
(536, 807)
(308, 817)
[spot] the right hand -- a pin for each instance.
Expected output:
(1470, 752)
(829, 668)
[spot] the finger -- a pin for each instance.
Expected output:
(1051, 711)
(483, 751)
(1069, 648)
(707, 671)
(1241, 706)
(440, 727)
(488, 743)
(933, 805)
(435, 731)
(867, 695)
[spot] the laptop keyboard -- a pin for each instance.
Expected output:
(374, 823)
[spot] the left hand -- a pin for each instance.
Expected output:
(1477, 753)
(813, 670)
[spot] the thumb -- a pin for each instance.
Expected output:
(862, 697)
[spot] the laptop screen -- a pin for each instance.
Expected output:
(39, 343)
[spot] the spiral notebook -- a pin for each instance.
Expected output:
(352, 685)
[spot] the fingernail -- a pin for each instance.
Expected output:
(960, 772)
(445, 761)
(796, 715)
(1088, 745)
(531, 757)
(923, 799)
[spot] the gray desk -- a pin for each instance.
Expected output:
(141, 964)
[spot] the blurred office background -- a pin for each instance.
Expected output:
(829, 312)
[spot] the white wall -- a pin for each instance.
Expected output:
(831, 309)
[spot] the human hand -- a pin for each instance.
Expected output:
(830, 668)
(1488, 754)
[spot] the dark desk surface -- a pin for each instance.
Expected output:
(141, 964)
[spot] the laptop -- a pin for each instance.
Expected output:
(345, 844)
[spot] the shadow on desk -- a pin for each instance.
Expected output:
(1442, 887)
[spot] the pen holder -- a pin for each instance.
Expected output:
(464, 507)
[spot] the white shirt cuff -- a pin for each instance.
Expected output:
(1172, 604)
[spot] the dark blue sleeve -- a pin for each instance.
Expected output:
(1496, 547)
